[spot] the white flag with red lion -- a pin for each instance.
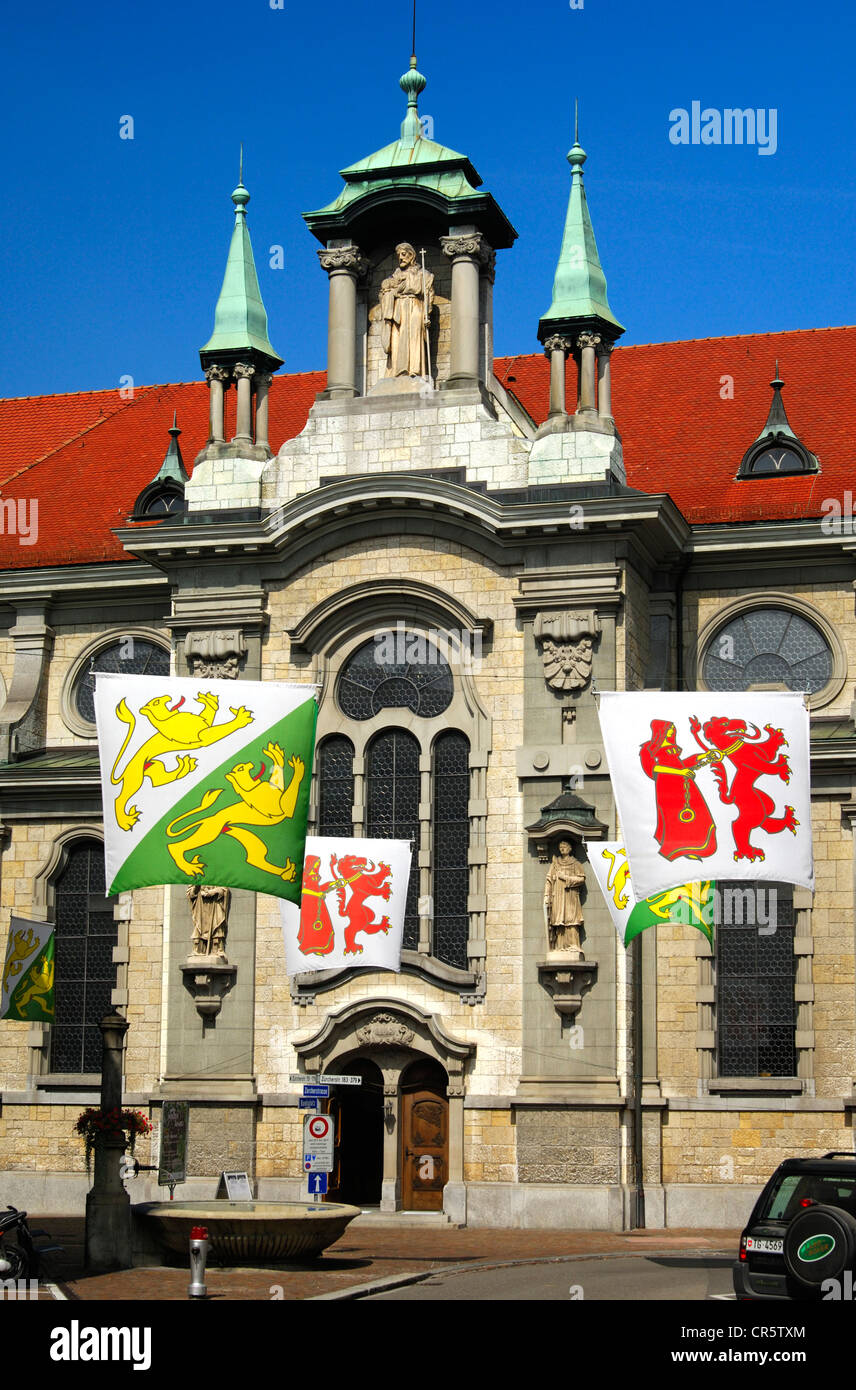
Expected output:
(352, 907)
(710, 785)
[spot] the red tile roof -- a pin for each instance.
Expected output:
(86, 457)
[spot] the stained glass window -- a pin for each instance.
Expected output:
(451, 832)
(768, 646)
(85, 973)
(755, 973)
(132, 656)
(396, 670)
(336, 786)
(392, 808)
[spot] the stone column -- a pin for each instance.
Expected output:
(391, 1184)
(488, 277)
(588, 343)
(467, 253)
(244, 373)
(344, 265)
(604, 381)
(556, 349)
(108, 1206)
(263, 381)
(216, 376)
(455, 1192)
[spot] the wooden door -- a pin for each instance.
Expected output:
(425, 1142)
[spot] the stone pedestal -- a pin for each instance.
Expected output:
(565, 976)
(208, 978)
(108, 1206)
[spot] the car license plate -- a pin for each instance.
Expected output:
(764, 1247)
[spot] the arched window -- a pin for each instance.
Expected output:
(392, 808)
(85, 973)
(396, 670)
(336, 786)
(755, 976)
(451, 833)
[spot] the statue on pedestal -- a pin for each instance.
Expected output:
(562, 901)
(406, 301)
(209, 909)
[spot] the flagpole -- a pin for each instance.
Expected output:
(637, 1208)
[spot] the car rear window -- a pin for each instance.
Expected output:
(793, 1190)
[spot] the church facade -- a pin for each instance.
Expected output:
(461, 551)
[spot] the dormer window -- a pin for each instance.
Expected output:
(164, 495)
(777, 453)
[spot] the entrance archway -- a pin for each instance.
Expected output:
(424, 1135)
(358, 1154)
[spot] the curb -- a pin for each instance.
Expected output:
(400, 1281)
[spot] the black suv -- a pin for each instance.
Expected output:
(800, 1241)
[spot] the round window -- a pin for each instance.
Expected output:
(768, 646)
(395, 671)
(132, 656)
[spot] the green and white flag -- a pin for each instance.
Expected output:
(205, 781)
(690, 904)
(28, 972)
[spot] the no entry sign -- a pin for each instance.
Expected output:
(318, 1143)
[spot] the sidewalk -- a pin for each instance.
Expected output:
(362, 1256)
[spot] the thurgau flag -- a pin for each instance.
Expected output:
(28, 972)
(690, 904)
(711, 785)
(205, 781)
(353, 904)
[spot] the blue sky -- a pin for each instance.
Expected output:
(113, 250)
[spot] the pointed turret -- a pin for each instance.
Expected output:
(239, 348)
(579, 289)
(579, 319)
(777, 451)
(165, 493)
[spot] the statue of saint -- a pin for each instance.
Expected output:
(562, 900)
(406, 301)
(209, 909)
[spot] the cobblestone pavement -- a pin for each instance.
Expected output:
(363, 1255)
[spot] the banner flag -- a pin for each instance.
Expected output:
(702, 785)
(691, 904)
(350, 888)
(205, 782)
(28, 972)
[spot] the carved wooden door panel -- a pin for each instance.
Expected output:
(424, 1150)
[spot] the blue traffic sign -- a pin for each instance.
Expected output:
(318, 1184)
(308, 1102)
(321, 1091)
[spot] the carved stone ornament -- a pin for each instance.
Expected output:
(589, 340)
(243, 369)
(264, 378)
(473, 244)
(385, 1030)
(217, 373)
(215, 655)
(567, 647)
(209, 910)
(565, 981)
(349, 258)
(557, 343)
(562, 910)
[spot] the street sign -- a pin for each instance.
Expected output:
(320, 1091)
(308, 1103)
(317, 1184)
(318, 1143)
(297, 1079)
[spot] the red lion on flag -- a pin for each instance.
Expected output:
(364, 882)
(751, 756)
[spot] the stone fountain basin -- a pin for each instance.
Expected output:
(250, 1231)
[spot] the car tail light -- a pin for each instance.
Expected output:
(743, 1254)
(807, 1202)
